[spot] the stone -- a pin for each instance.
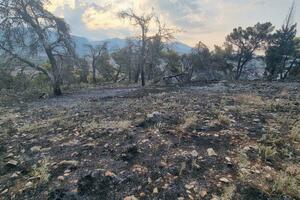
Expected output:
(4, 191)
(12, 163)
(224, 180)
(211, 152)
(214, 197)
(256, 120)
(29, 184)
(228, 159)
(142, 194)
(61, 178)
(35, 149)
(130, 198)
(203, 193)
(10, 155)
(269, 177)
(14, 175)
(69, 162)
(194, 153)
(155, 190)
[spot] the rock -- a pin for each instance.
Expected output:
(4, 191)
(61, 178)
(224, 180)
(74, 154)
(130, 198)
(66, 174)
(194, 153)
(89, 145)
(228, 159)
(155, 190)
(29, 184)
(12, 163)
(142, 194)
(106, 145)
(10, 155)
(69, 163)
(35, 149)
(110, 174)
(214, 197)
(256, 120)
(211, 152)
(14, 175)
(203, 193)
(269, 177)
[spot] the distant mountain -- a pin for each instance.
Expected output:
(117, 43)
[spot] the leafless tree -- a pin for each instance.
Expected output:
(28, 29)
(143, 22)
(95, 53)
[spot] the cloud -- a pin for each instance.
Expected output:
(206, 20)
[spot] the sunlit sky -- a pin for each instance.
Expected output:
(208, 21)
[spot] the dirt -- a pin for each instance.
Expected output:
(149, 143)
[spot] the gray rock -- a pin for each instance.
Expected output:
(211, 152)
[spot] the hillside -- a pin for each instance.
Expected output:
(117, 43)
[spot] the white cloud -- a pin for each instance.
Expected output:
(206, 20)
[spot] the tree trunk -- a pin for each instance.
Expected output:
(117, 75)
(56, 89)
(142, 64)
(129, 73)
(55, 71)
(143, 76)
(84, 73)
(94, 73)
(137, 75)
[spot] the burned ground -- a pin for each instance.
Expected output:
(220, 141)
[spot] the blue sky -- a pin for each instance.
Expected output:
(208, 21)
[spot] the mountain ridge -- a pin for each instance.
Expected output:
(118, 43)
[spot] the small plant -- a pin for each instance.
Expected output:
(250, 99)
(268, 153)
(228, 193)
(287, 185)
(224, 119)
(295, 132)
(42, 171)
(190, 119)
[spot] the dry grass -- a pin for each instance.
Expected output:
(190, 119)
(287, 185)
(250, 99)
(37, 125)
(295, 132)
(267, 153)
(224, 119)
(228, 193)
(42, 171)
(124, 125)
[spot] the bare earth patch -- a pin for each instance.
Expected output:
(221, 141)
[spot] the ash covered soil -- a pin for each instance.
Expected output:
(218, 141)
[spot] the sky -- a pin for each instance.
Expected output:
(208, 21)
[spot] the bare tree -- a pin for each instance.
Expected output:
(28, 30)
(144, 22)
(94, 55)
